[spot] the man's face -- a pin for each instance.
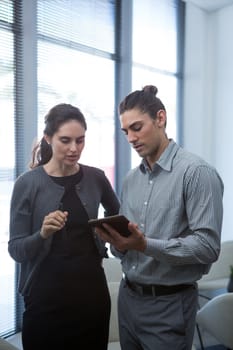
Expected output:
(146, 135)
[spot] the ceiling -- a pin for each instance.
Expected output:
(211, 5)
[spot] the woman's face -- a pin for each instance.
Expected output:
(67, 143)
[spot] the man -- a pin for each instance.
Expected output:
(173, 200)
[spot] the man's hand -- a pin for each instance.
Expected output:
(136, 241)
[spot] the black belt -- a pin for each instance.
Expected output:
(155, 289)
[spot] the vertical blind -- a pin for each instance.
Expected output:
(76, 64)
(7, 163)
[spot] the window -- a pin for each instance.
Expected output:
(7, 161)
(75, 65)
(78, 52)
(155, 36)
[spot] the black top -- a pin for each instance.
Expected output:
(76, 238)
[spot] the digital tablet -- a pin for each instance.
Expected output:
(118, 222)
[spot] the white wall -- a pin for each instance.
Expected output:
(208, 95)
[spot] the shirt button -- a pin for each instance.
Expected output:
(142, 225)
(150, 182)
(133, 267)
(145, 203)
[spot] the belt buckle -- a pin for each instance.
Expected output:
(140, 290)
(153, 291)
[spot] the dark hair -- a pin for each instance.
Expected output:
(145, 100)
(57, 116)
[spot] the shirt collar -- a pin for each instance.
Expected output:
(166, 159)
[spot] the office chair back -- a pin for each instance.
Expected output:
(216, 317)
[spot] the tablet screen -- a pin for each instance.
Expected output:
(118, 222)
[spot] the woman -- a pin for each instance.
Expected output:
(67, 303)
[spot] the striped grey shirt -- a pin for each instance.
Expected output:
(178, 206)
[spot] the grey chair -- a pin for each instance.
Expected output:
(216, 317)
(218, 276)
(112, 267)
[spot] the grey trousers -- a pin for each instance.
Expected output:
(157, 323)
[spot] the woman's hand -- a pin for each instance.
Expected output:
(53, 222)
